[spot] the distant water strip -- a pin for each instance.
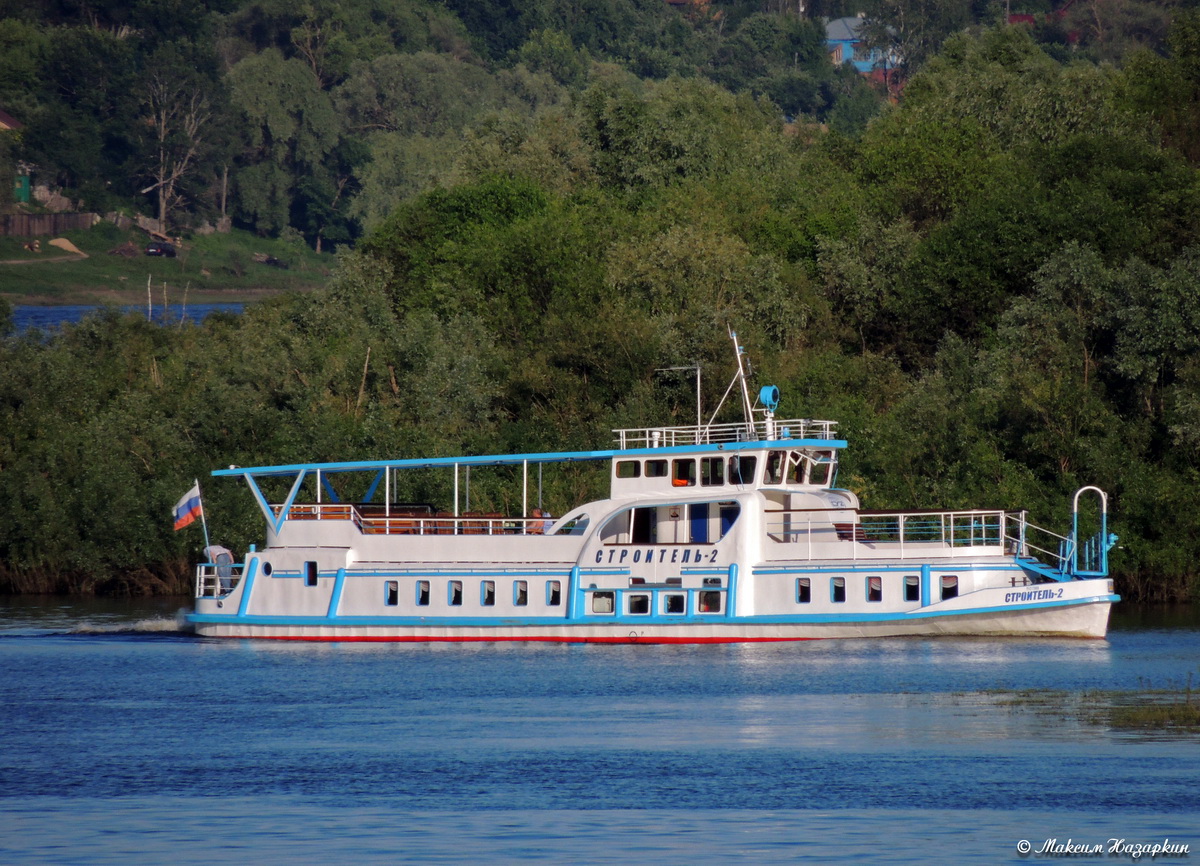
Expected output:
(27, 317)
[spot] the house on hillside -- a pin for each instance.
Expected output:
(844, 42)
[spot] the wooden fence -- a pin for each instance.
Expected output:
(34, 225)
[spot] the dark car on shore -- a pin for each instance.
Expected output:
(160, 248)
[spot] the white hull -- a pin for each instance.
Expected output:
(1084, 619)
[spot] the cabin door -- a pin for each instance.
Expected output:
(699, 520)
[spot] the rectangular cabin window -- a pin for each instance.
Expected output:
(639, 603)
(803, 590)
(683, 473)
(553, 593)
(391, 592)
(741, 470)
(775, 465)
(712, 471)
(422, 593)
(912, 588)
(837, 589)
(602, 602)
(874, 589)
(818, 473)
(629, 469)
(674, 603)
(310, 574)
(455, 593)
(709, 601)
(656, 468)
(949, 586)
(520, 593)
(487, 593)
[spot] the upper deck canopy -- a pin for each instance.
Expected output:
(704, 439)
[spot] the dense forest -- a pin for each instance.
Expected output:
(319, 118)
(990, 284)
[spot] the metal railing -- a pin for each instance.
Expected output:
(920, 533)
(404, 523)
(213, 580)
(708, 434)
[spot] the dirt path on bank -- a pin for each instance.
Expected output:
(42, 259)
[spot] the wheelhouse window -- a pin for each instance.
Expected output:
(820, 469)
(712, 471)
(874, 589)
(422, 593)
(683, 473)
(602, 602)
(520, 593)
(837, 589)
(487, 593)
(656, 468)
(773, 474)
(741, 469)
(912, 588)
(803, 590)
(629, 469)
(949, 586)
(553, 593)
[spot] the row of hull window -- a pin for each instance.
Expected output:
(873, 587)
(708, 601)
(487, 593)
(670, 603)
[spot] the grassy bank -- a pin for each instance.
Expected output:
(210, 269)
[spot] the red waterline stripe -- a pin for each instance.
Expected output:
(614, 640)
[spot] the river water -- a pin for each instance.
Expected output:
(127, 740)
(27, 317)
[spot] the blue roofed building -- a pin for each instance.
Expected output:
(844, 41)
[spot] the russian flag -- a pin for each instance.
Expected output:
(188, 508)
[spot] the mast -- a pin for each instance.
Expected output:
(747, 406)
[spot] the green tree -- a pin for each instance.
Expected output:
(291, 130)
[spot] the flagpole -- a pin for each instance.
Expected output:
(203, 521)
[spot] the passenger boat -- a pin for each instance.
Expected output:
(710, 533)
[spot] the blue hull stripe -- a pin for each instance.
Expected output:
(626, 620)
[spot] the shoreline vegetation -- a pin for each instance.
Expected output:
(1174, 709)
(995, 300)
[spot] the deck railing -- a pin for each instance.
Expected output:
(378, 521)
(914, 533)
(213, 579)
(708, 434)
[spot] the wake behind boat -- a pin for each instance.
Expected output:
(711, 533)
